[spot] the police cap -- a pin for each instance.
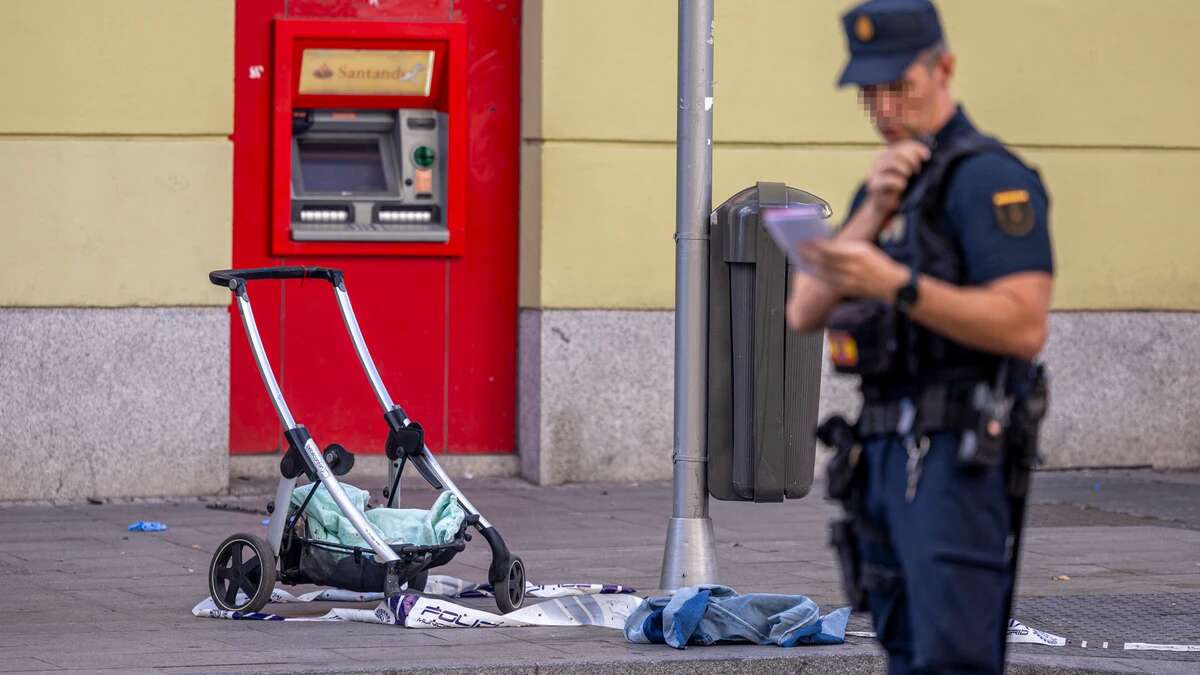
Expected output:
(885, 37)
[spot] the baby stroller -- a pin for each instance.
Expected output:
(244, 568)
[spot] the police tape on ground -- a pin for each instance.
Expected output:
(606, 605)
(1019, 633)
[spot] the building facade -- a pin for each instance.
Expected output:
(118, 192)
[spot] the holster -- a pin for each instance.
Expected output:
(1031, 401)
(846, 483)
(843, 473)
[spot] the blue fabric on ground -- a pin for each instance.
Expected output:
(705, 615)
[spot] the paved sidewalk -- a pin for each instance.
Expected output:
(1111, 556)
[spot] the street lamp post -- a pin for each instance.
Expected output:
(690, 554)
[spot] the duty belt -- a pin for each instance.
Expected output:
(938, 407)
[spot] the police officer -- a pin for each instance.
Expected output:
(936, 292)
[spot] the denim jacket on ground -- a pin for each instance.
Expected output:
(704, 615)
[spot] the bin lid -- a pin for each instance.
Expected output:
(766, 193)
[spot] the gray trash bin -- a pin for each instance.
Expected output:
(764, 380)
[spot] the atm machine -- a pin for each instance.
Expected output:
(367, 135)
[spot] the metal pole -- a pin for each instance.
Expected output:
(690, 554)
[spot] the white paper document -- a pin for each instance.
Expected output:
(794, 225)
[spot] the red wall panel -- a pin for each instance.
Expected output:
(483, 360)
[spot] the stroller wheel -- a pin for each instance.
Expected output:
(510, 591)
(242, 563)
(417, 583)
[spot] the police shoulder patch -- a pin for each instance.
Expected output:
(1014, 212)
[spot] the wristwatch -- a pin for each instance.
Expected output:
(906, 296)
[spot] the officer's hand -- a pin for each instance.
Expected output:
(855, 268)
(890, 175)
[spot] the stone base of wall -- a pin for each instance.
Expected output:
(134, 401)
(374, 466)
(114, 402)
(596, 393)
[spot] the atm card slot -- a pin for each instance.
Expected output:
(323, 213)
(387, 214)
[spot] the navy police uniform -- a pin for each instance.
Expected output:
(936, 543)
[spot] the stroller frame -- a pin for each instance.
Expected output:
(303, 456)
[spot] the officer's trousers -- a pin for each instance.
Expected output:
(936, 567)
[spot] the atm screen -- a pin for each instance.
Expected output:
(346, 166)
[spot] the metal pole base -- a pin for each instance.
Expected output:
(690, 557)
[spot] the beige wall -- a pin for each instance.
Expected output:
(115, 166)
(1101, 99)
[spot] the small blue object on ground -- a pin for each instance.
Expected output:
(266, 521)
(147, 526)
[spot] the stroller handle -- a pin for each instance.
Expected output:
(227, 277)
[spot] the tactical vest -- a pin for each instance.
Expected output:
(894, 355)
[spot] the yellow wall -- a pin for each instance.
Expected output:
(115, 168)
(1102, 98)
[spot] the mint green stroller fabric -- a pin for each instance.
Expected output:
(422, 527)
